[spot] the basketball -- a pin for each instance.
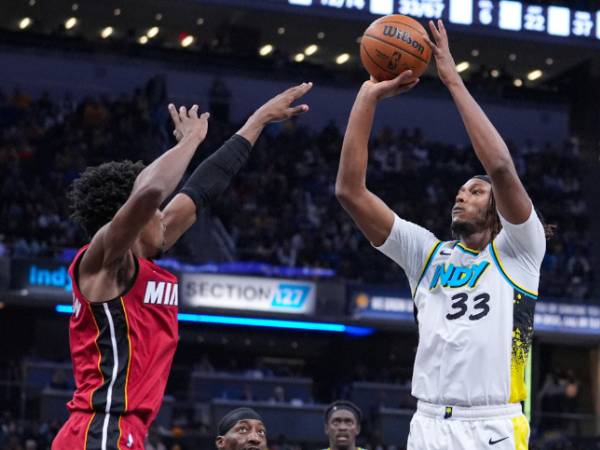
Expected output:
(393, 44)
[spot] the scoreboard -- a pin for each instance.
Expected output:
(505, 15)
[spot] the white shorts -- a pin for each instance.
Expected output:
(435, 427)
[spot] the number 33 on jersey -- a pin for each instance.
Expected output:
(474, 311)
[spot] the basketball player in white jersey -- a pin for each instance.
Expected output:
(474, 296)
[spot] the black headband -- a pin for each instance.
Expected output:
(233, 417)
(343, 404)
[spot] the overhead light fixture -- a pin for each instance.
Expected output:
(106, 32)
(518, 82)
(342, 59)
(299, 57)
(495, 73)
(143, 40)
(475, 53)
(75, 7)
(281, 30)
(534, 74)
(320, 35)
(70, 23)
(24, 23)
(549, 61)
(158, 17)
(358, 39)
(462, 66)
(31, 2)
(311, 49)
(200, 21)
(265, 50)
(187, 41)
(512, 57)
(152, 32)
(117, 11)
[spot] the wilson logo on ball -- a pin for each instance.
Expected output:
(391, 31)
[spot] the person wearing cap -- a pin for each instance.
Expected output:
(342, 425)
(241, 429)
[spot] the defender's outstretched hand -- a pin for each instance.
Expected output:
(389, 88)
(441, 52)
(279, 107)
(187, 123)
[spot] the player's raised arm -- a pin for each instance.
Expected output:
(369, 212)
(511, 198)
(212, 177)
(152, 186)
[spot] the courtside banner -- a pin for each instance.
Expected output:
(567, 318)
(378, 303)
(550, 316)
(198, 290)
(47, 279)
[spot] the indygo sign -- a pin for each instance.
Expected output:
(247, 293)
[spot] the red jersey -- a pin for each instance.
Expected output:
(122, 349)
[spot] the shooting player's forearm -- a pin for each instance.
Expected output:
(490, 148)
(354, 157)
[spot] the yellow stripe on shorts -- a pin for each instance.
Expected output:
(521, 430)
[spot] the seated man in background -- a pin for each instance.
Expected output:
(241, 429)
(342, 425)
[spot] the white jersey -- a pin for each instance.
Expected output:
(474, 311)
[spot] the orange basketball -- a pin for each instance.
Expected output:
(393, 44)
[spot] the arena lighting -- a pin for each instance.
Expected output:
(518, 82)
(462, 66)
(512, 57)
(257, 322)
(281, 30)
(152, 32)
(534, 75)
(475, 53)
(320, 35)
(143, 40)
(265, 50)
(549, 61)
(70, 22)
(187, 41)
(495, 73)
(117, 12)
(342, 59)
(299, 57)
(24, 23)
(200, 21)
(106, 32)
(311, 49)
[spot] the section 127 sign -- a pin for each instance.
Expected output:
(247, 293)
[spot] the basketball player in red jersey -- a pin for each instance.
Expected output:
(123, 330)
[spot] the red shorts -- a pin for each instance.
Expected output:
(86, 431)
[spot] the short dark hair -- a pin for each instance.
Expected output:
(96, 196)
(343, 404)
